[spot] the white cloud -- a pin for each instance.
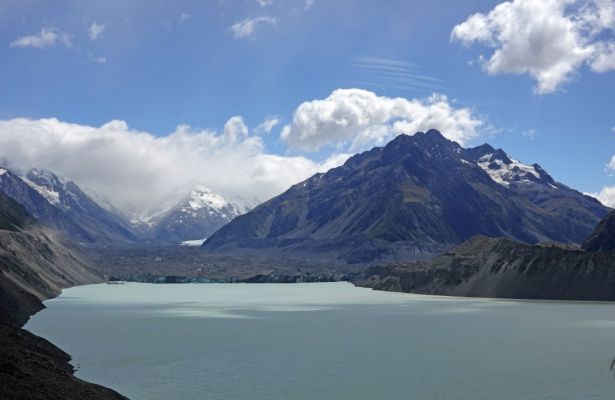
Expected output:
(268, 124)
(605, 58)
(397, 74)
(334, 161)
(100, 60)
(95, 30)
(359, 119)
(606, 196)
(529, 133)
(184, 16)
(45, 38)
(138, 172)
(247, 28)
(264, 3)
(548, 39)
(308, 4)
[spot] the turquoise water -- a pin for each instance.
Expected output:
(329, 341)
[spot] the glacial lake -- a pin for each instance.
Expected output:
(329, 341)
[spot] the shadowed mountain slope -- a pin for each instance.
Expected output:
(411, 199)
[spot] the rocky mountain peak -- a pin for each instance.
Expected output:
(196, 216)
(431, 144)
(45, 177)
(411, 198)
(504, 169)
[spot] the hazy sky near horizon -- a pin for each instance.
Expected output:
(250, 96)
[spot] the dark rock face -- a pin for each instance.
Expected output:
(412, 199)
(65, 207)
(35, 264)
(498, 267)
(603, 237)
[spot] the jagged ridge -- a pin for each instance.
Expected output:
(413, 198)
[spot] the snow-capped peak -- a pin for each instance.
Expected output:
(507, 170)
(47, 184)
(49, 192)
(202, 197)
(46, 177)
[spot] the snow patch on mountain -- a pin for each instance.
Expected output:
(48, 193)
(202, 197)
(506, 171)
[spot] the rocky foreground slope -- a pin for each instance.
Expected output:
(35, 264)
(500, 267)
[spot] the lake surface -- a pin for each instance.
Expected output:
(329, 341)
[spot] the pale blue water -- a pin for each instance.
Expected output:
(329, 341)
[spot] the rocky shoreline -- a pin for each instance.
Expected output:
(502, 268)
(36, 264)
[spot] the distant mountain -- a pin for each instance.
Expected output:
(198, 215)
(412, 199)
(89, 219)
(62, 205)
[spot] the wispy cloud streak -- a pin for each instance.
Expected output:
(393, 74)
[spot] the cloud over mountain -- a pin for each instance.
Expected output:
(361, 119)
(138, 171)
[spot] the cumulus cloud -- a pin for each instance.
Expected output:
(45, 38)
(357, 119)
(138, 172)
(247, 28)
(95, 30)
(606, 196)
(548, 39)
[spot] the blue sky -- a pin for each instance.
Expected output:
(160, 64)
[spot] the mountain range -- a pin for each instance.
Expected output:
(412, 199)
(88, 219)
(483, 223)
(62, 205)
